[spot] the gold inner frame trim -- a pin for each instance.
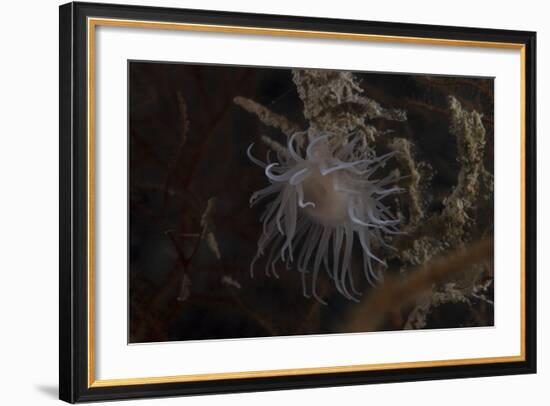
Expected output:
(94, 22)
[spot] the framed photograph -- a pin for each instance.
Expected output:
(255, 202)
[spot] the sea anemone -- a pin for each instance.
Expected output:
(323, 195)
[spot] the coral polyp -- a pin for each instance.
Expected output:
(324, 196)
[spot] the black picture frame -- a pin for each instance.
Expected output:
(74, 384)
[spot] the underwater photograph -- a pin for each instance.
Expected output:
(287, 201)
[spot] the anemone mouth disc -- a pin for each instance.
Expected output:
(330, 205)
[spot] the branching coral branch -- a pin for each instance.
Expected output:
(274, 146)
(449, 227)
(266, 116)
(453, 223)
(397, 292)
(184, 129)
(207, 232)
(461, 290)
(487, 121)
(404, 156)
(333, 102)
(470, 136)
